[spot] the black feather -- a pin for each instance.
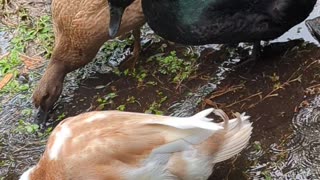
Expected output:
(197, 22)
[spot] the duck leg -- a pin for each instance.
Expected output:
(256, 51)
(131, 61)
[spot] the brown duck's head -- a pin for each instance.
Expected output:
(48, 91)
(116, 8)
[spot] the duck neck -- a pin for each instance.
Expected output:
(56, 71)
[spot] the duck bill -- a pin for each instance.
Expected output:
(42, 116)
(115, 20)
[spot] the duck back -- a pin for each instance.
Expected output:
(224, 21)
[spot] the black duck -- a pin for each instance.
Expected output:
(198, 22)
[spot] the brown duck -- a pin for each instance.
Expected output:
(81, 28)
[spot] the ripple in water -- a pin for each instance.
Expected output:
(304, 148)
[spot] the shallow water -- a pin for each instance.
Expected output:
(19, 151)
(304, 147)
(4, 42)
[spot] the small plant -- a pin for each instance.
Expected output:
(274, 77)
(178, 68)
(26, 112)
(154, 109)
(170, 64)
(155, 106)
(110, 46)
(61, 117)
(257, 146)
(152, 83)
(2, 164)
(44, 33)
(46, 133)
(15, 86)
(266, 174)
(121, 107)
(108, 99)
(139, 74)
(131, 99)
(29, 128)
(26, 127)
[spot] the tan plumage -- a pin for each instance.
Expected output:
(122, 145)
(80, 27)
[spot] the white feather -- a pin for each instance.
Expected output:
(193, 130)
(26, 174)
(237, 137)
(199, 120)
(60, 138)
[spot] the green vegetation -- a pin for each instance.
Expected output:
(140, 74)
(129, 100)
(108, 99)
(266, 174)
(26, 127)
(257, 146)
(61, 117)
(179, 69)
(122, 107)
(30, 128)
(40, 33)
(154, 108)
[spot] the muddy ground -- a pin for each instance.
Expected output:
(279, 92)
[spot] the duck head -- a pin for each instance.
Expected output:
(116, 8)
(48, 92)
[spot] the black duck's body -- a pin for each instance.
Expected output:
(197, 22)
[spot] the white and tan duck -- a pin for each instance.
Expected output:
(115, 145)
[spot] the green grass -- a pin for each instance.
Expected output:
(40, 33)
